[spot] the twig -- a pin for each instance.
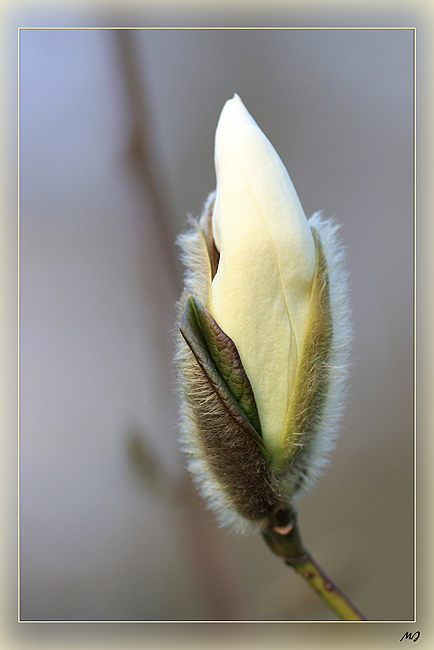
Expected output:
(283, 537)
(321, 583)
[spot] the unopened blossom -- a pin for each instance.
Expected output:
(264, 332)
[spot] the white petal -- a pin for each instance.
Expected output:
(261, 291)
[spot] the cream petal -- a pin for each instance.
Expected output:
(261, 290)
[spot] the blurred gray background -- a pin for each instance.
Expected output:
(116, 138)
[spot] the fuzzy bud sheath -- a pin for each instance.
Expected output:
(264, 333)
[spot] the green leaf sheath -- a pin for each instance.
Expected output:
(227, 359)
(220, 361)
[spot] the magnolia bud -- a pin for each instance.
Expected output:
(264, 332)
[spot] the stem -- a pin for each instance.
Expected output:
(283, 537)
(324, 587)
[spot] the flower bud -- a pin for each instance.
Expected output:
(264, 332)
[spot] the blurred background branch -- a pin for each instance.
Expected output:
(209, 559)
(143, 154)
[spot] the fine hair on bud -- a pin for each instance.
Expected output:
(230, 468)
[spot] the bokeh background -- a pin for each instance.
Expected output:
(116, 146)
